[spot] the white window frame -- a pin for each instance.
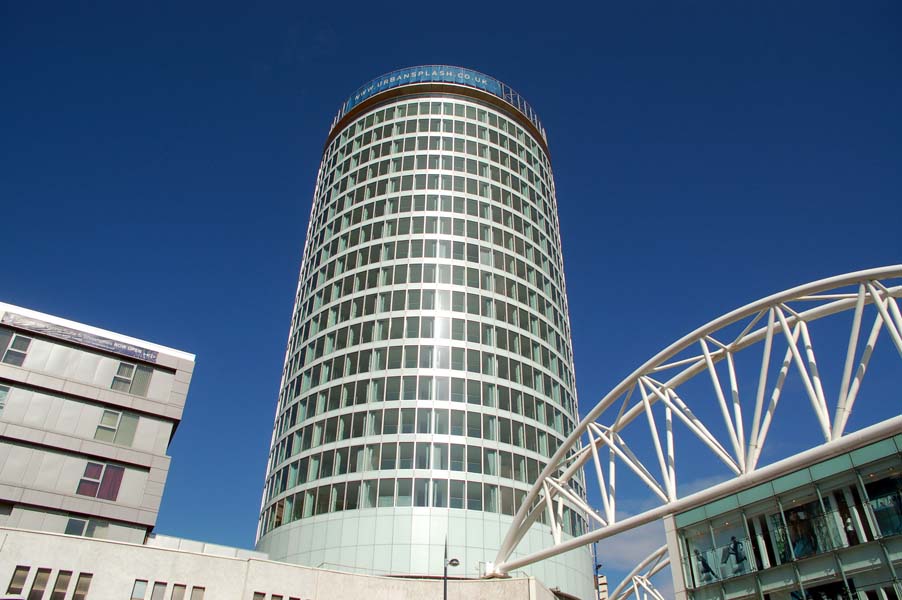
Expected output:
(115, 429)
(128, 380)
(139, 590)
(89, 526)
(17, 351)
(77, 520)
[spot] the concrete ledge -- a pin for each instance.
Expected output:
(116, 565)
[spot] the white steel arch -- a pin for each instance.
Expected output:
(637, 581)
(761, 330)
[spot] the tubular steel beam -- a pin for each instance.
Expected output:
(765, 321)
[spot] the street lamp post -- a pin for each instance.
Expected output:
(597, 568)
(453, 563)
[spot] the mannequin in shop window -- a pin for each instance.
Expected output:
(735, 550)
(801, 534)
(705, 570)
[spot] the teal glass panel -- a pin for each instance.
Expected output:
(873, 452)
(830, 467)
(690, 516)
(759, 492)
(791, 481)
(721, 506)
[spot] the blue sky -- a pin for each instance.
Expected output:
(157, 163)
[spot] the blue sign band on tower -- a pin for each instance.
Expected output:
(440, 74)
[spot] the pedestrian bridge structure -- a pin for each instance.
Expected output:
(718, 393)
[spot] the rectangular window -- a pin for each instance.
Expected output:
(17, 583)
(421, 492)
(491, 498)
(101, 481)
(132, 379)
(386, 492)
(90, 482)
(18, 347)
(474, 495)
(76, 527)
(93, 528)
(178, 592)
(197, 593)
(457, 494)
(405, 492)
(117, 427)
(457, 457)
(439, 493)
(474, 459)
(159, 591)
(405, 455)
(139, 590)
(39, 585)
(82, 586)
(61, 585)
(4, 392)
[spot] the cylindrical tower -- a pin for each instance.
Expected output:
(429, 370)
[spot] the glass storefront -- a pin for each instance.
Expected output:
(831, 531)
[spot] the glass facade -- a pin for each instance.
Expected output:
(429, 367)
(831, 531)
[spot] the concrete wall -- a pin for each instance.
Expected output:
(26, 517)
(60, 412)
(115, 566)
(78, 418)
(88, 367)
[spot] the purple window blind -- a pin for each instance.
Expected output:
(109, 486)
(93, 471)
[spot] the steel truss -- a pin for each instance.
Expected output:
(757, 329)
(637, 582)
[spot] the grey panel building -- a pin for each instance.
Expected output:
(429, 371)
(86, 417)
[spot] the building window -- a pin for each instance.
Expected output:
(61, 585)
(82, 586)
(132, 379)
(18, 347)
(100, 481)
(4, 392)
(76, 527)
(39, 585)
(178, 592)
(885, 499)
(92, 528)
(117, 428)
(159, 590)
(197, 593)
(17, 583)
(139, 590)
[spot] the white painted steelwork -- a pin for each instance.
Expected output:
(638, 580)
(872, 297)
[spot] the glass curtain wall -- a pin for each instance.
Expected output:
(429, 362)
(831, 531)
